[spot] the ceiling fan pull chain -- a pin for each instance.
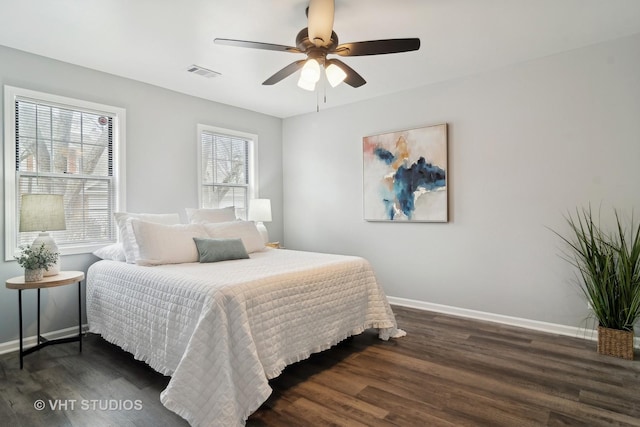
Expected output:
(324, 88)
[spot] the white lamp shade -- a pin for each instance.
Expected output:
(260, 210)
(42, 212)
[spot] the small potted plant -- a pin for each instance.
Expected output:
(35, 261)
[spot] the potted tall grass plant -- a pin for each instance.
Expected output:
(609, 266)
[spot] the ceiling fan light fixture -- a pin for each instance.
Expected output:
(311, 71)
(320, 19)
(306, 84)
(335, 75)
(317, 41)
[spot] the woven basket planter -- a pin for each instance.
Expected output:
(615, 342)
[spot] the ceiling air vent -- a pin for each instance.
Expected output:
(201, 71)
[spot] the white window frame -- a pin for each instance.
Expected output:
(11, 94)
(252, 155)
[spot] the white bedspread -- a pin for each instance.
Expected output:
(222, 330)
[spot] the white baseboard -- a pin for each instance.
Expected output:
(552, 328)
(10, 346)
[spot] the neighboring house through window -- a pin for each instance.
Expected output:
(59, 145)
(227, 170)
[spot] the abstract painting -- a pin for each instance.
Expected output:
(405, 175)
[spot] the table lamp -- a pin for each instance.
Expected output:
(43, 213)
(259, 211)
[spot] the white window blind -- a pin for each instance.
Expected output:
(226, 170)
(68, 150)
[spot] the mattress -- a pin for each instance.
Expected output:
(222, 330)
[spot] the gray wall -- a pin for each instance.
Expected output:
(160, 161)
(527, 144)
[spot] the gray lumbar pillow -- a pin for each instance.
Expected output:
(214, 250)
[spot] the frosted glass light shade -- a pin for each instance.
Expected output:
(303, 84)
(311, 71)
(335, 75)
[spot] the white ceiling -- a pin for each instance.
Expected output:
(155, 41)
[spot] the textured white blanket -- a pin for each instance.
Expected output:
(222, 330)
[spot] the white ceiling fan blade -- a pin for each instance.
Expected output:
(321, 21)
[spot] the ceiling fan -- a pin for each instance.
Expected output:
(319, 40)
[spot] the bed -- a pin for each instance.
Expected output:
(221, 330)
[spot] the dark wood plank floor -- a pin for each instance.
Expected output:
(448, 371)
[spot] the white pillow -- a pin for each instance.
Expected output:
(199, 216)
(113, 252)
(166, 244)
(128, 239)
(245, 230)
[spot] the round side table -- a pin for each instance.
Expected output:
(60, 279)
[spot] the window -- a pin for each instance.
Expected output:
(64, 146)
(227, 169)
